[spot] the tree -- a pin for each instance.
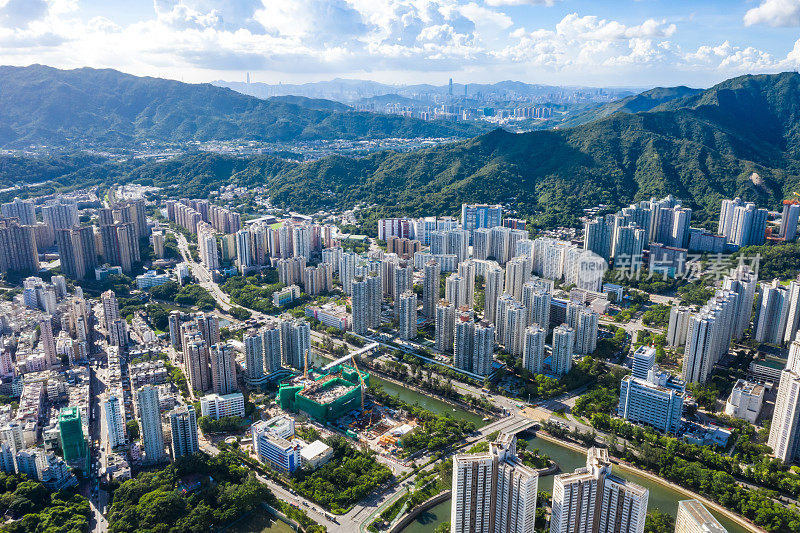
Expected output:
(132, 426)
(658, 521)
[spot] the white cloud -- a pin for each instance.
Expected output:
(293, 39)
(497, 3)
(779, 13)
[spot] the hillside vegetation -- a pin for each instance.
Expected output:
(737, 138)
(41, 105)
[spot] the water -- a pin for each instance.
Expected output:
(661, 497)
(413, 397)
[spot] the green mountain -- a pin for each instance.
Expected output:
(43, 105)
(635, 103)
(740, 137)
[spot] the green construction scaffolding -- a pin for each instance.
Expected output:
(299, 397)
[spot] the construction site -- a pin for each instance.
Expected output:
(335, 396)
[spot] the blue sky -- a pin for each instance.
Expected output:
(561, 42)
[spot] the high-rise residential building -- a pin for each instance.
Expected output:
(492, 491)
(394, 227)
(444, 325)
(598, 236)
(244, 258)
(679, 318)
(295, 342)
(784, 432)
(115, 420)
(408, 315)
(468, 270)
(347, 270)
(474, 216)
(183, 429)
(367, 296)
(223, 369)
(271, 344)
(77, 251)
(196, 359)
(22, 210)
(494, 289)
(403, 281)
(537, 303)
(430, 288)
(563, 348)
(742, 223)
(709, 336)
(585, 322)
(150, 422)
(593, 500)
(473, 349)
(629, 243)
(455, 290)
(744, 282)
(693, 517)
(17, 247)
(518, 273)
(157, 240)
(254, 356)
(62, 213)
(48, 340)
(301, 237)
(207, 247)
(73, 442)
(789, 218)
(110, 308)
(651, 397)
(511, 326)
(772, 312)
(533, 350)
(670, 222)
(481, 243)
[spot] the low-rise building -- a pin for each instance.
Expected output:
(745, 401)
(285, 296)
(315, 454)
(331, 315)
(151, 279)
(223, 405)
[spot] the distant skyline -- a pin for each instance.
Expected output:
(556, 42)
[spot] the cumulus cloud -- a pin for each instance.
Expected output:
(497, 3)
(778, 13)
(351, 37)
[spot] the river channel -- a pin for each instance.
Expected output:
(661, 497)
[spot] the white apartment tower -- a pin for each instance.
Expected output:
(493, 492)
(408, 315)
(150, 421)
(592, 500)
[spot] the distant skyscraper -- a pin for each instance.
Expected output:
(150, 419)
(455, 290)
(183, 428)
(493, 492)
(585, 323)
(62, 213)
(48, 341)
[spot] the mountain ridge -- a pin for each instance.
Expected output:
(44, 105)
